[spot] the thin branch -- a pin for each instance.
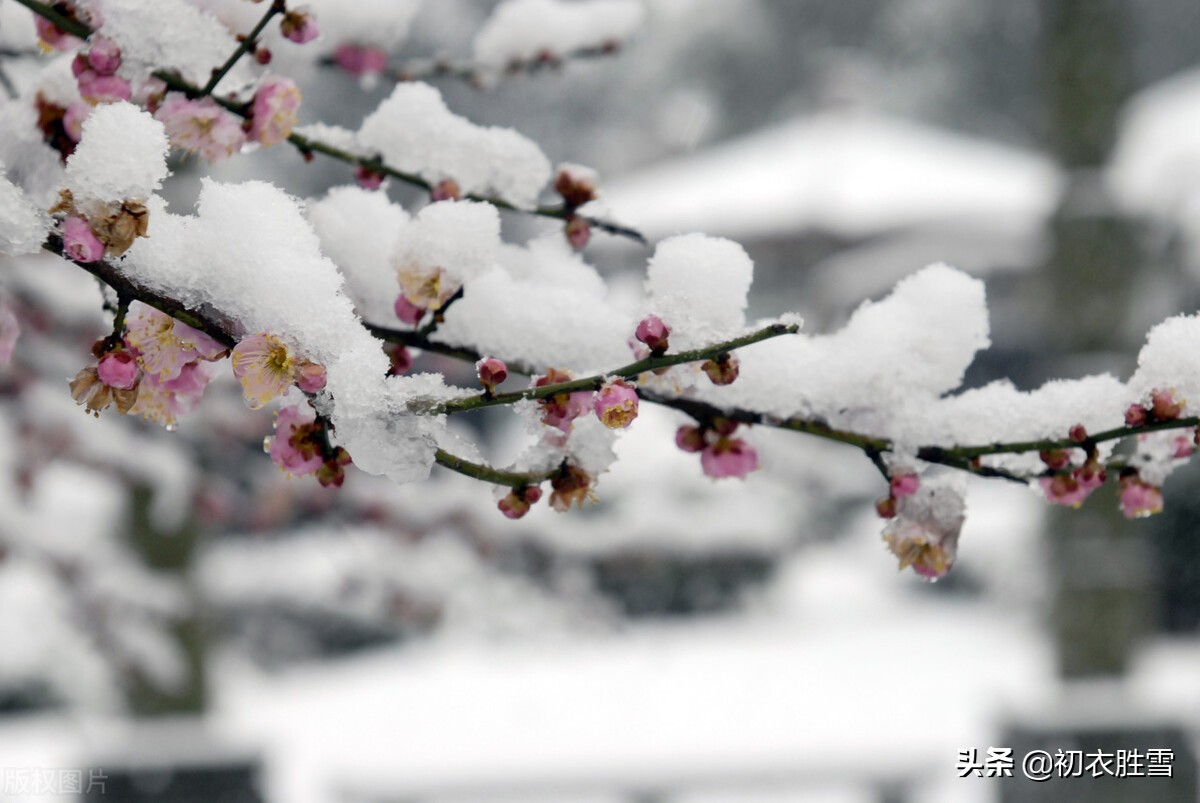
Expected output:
(307, 146)
(243, 48)
(626, 372)
(60, 21)
(513, 479)
(477, 74)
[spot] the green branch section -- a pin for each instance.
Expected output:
(242, 49)
(307, 146)
(964, 458)
(630, 371)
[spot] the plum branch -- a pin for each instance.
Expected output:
(476, 74)
(306, 146)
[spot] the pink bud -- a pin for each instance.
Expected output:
(311, 377)
(518, 501)
(299, 27)
(578, 232)
(73, 120)
(905, 485)
(367, 178)
(1055, 458)
(1165, 406)
(1184, 447)
(1078, 433)
(79, 243)
(104, 56)
(576, 185)
(1135, 415)
(401, 358)
(492, 372)
(689, 438)
(616, 404)
(360, 61)
(445, 190)
(886, 507)
(408, 312)
(653, 332)
(96, 88)
(118, 369)
(723, 370)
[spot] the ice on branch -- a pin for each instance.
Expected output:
(171, 35)
(250, 255)
(697, 286)
(23, 225)
(122, 156)
(414, 132)
(524, 30)
(541, 306)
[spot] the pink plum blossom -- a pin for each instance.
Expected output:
(51, 37)
(155, 339)
(616, 404)
(166, 400)
(294, 446)
(274, 111)
(924, 532)
(96, 88)
(561, 409)
(79, 242)
(905, 484)
(265, 368)
(427, 288)
(73, 120)
(1139, 499)
(728, 457)
(201, 126)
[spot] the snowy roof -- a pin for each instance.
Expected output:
(849, 171)
(1156, 163)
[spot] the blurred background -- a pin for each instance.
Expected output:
(181, 622)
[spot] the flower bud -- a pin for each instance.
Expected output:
(616, 404)
(492, 372)
(723, 370)
(654, 333)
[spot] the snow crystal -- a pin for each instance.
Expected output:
(23, 226)
(414, 132)
(698, 285)
(461, 237)
(171, 34)
(358, 230)
(250, 254)
(122, 156)
(1170, 360)
(371, 23)
(524, 29)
